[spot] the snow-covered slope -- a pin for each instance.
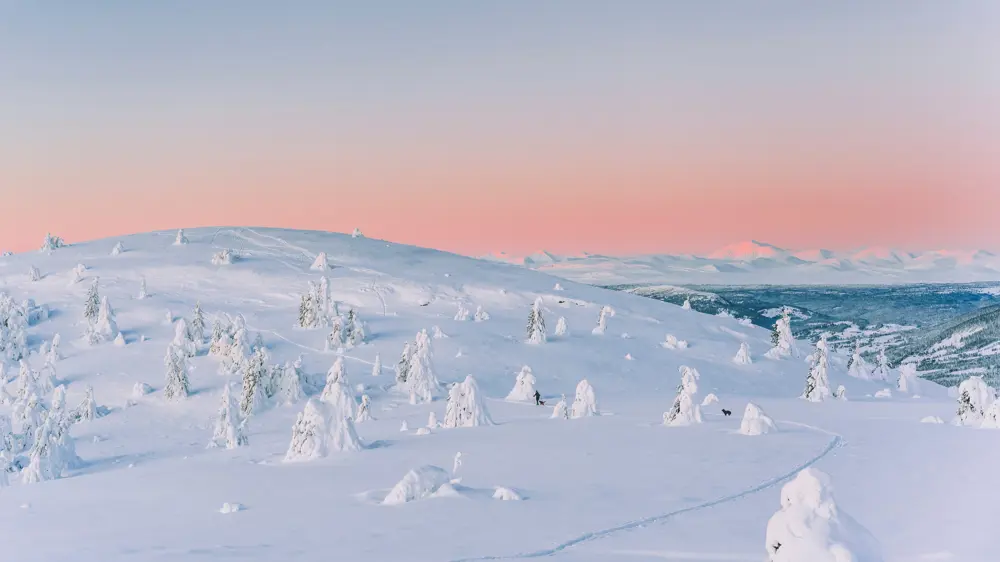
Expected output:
(148, 488)
(753, 262)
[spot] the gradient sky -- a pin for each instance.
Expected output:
(474, 126)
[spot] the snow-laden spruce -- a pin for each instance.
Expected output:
(857, 367)
(180, 239)
(524, 386)
(225, 256)
(974, 397)
(320, 430)
(88, 410)
(602, 320)
(841, 393)
(481, 314)
(417, 484)
(365, 410)
(686, 305)
(818, 382)
(335, 339)
(908, 380)
(684, 410)
(810, 527)
(177, 384)
(142, 290)
(421, 382)
(338, 393)
(561, 409)
(118, 249)
(466, 406)
(229, 428)
(377, 366)
(462, 314)
(182, 338)
(92, 303)
(320, 263)
(561, 330)
(34, 274)
(289, 385)
(355, 331)
(536, 323)
(255, 376)
(585, 401)
(743, 355)
(50, 243)
(782, 338)
(882, 371)
(756, 422)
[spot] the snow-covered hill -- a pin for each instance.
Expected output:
(606, 487)
(753, 262)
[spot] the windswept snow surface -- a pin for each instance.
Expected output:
(618, 486)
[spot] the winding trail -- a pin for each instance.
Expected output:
(835, 442)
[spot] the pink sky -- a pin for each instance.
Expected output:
(620, 134)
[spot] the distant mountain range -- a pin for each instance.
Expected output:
(753, 262)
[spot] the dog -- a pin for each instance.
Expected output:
(726, 412)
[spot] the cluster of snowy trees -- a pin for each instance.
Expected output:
(316, 308)
(326, 424)
(462, 314)
(13, 328)
(415, 374)
(51, 243)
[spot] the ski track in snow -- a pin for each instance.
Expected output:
(836, 442)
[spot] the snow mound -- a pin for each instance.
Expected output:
(884, 393)
(756, 422)
(417, 484)
(231, 508)
(709, 400)
(506, 494)
(931, 419)
(810, 528)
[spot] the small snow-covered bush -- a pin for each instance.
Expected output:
(782, 338)
(417, 484)
(811, 528)
(180, 240)
(228, 508)
(585, 402)
(671, 342)
(462, 314)
(884, 393)
(481, 315)
(756, 422)
(506, 494)
(224, 257)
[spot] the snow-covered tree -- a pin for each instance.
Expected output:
(335, 340)
(743, 355)
(357, 233)
(882, 371)
(338, 392)
(142, 289)
(481, 314)
(841, 393)
(756, 422)
(602, 320)
(536, 323)
(34, 274)
(229, 428)
(403, 365)
(319, 430)
(118, 249)
(13, 329)
(785, 344)
(219, 342)
(225, 256)
(365, 410)
(289, 385)
(377, 366)
(321, 263)
(686, 305)
(466, 407)
(87, 410)
(182, 338)
(974, 397)
(177, 385)
(51, 243)
(255, 376)
(355, 331)
(561, 410)
(907, 378)
(561, 330)
(810, 527)
(307, 309)
(104, 328)
(585, 402)
(239, 349)
(462, 314)
(53, 355)
(524, 386)
(197, 327)
(858, 367)
(671, 342)
(432, 420)
(684, 410)
(818, 382)
(180, 239)
(421, 380)
(92, 304)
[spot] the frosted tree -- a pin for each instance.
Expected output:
(481, 314)
(585, 401)
(238, 352)
(403, 365)
(355, 328)
(92, 304)
(225, 256)
(364, 410)
(289, 385)
(327, 307)
(182, 338)
(142, 289)
(50, 243)
(810, 527)
(177, 385)
(229, 429)
(307, 309)
(432, 420)
(87, 410)
(219, 342)
(255, 375)
(841, 393)
(462, 314)
(321, 263)
(335, 340)
(466, 407)
(524, 386)
(197, 326)
(377, 367)
(782, 338)
(686, 305)
(602, 320)
(357, 233)
(319, 430)
(118, 249)
(180, 239)
(536, 323)
(684, 410)
(34, 274)
(561, 330)
(907, 378)
(53, 354)
(422, 382)
(974, 397)
(818, 382)
(858, 367)
(561, 410)
(756, 422)
(104, 328)
(743, 355)
(337, 392)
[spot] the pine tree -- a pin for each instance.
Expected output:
(743, 355)
(307, 309)
(290, 385)
(536, 323)
(182, 338)
(524, 386)
(118, 249)
(335, 340)
(142, 289)
(602, 320)
(377, 367)
(92, 305)
(254, 378)
(817, 383)
(229, 429)
(197, 327)
(180, 240)
(403, 365)
(585, 402)
(365, 410)
(355, 329)
(321, 263)
(561, 410)
(421, 380)
(177, 385)
(34, 274)
(462, 314)
(87, 410)
(337, 392)
(466, 407)
(561, 329)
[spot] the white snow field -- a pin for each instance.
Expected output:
(619, 485)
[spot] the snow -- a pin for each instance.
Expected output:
(931, 419)
(419, 483)
(702, 492)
